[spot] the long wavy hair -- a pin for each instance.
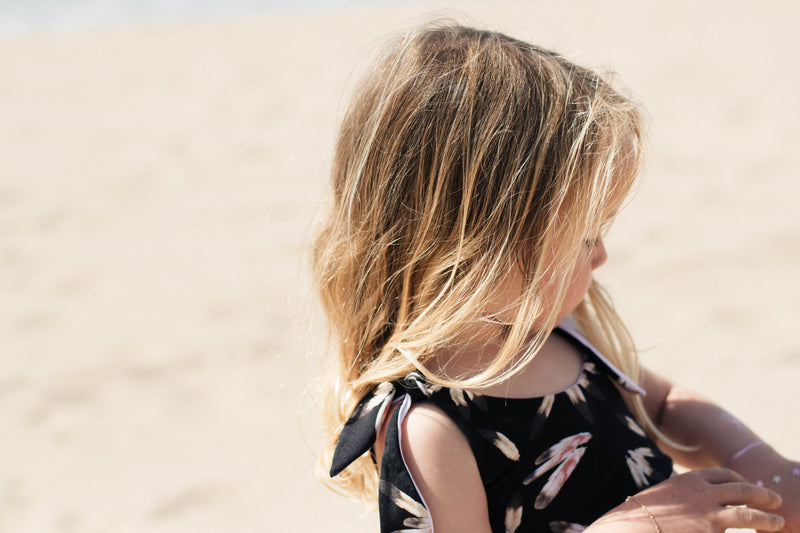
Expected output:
(465, 153)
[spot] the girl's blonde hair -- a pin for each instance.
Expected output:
(465, 154)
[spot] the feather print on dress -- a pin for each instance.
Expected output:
(633, 426)
(513, 514)
(639, 465)
(501, 442)
(379, 395)
(542, 413)
(460, 397)
(420, 522)
(546, 405)
(576, 396)
(564, 456)
(595, 391)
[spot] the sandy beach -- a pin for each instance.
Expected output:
(158, 185)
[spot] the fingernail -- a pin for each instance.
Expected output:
(780, 500)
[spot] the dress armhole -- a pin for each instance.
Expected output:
(451, 482)
(380, 439)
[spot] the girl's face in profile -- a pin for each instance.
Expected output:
(594, 257)
(503, 304)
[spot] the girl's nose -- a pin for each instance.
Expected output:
(599, 254)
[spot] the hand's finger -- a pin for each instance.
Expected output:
(748, 494)
(720, 475)
(747, 518)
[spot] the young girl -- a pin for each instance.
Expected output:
(483, 381)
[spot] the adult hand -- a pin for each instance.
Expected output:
(784, 478)
(703, 501)
(767, 468)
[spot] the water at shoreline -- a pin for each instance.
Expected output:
(19, 17)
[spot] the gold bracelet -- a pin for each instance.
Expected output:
(646, 510)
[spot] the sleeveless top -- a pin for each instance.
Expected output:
(548, 464)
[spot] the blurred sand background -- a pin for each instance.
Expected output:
(158, 185)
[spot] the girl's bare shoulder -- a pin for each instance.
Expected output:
(442, 465)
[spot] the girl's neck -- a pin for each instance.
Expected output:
(556, 367)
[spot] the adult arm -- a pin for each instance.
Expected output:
(713, 435)
(718, 439)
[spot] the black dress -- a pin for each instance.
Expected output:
(548, 464)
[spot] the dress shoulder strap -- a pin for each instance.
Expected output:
(401, 506)
(621, 378)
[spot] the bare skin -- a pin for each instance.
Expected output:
(717, 436)
(702, 501)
